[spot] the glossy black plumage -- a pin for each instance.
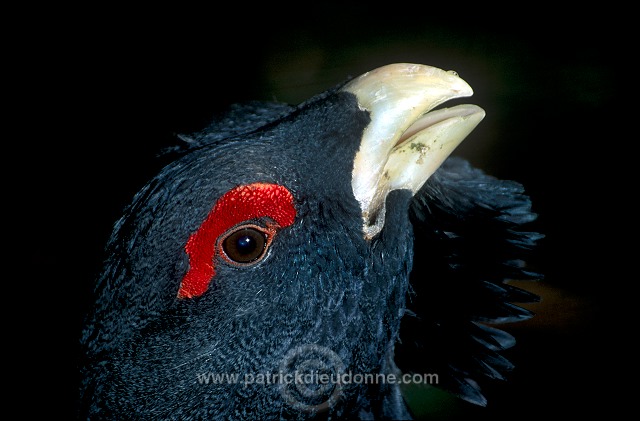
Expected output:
(322, 283)
(471, 229)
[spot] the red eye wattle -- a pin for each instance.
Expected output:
(217, 234)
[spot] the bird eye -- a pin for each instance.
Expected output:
(245, 244)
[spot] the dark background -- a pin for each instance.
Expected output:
(114, 86)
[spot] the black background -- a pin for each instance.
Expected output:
(104, 90)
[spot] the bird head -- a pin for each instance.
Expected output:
(278, 241)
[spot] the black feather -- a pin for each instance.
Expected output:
(471, 238)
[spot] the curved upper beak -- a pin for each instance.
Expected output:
(405, 142)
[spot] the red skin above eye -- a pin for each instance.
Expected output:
(243, 203)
